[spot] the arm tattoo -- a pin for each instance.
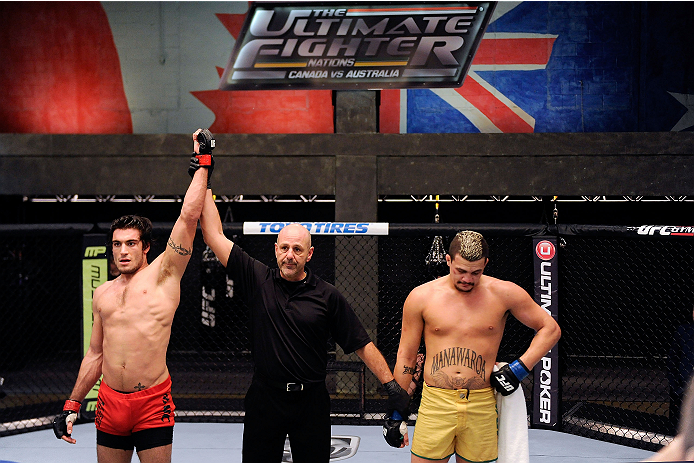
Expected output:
(179, 249)
(408, 370)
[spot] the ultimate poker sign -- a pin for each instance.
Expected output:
(356, 45)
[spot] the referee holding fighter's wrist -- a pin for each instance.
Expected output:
(293, 313)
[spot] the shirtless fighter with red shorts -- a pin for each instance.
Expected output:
(132, 327)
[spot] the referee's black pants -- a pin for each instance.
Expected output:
(272, 414)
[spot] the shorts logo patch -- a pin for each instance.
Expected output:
(99, 411)
(166, 411)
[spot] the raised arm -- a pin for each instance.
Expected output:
(212, 230)
(179, 246)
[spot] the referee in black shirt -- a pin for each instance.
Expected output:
(293, 313)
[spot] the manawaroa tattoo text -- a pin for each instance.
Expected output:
(459, 356)
(179, 249)
(408, 370)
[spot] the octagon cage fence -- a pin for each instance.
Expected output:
(625, 309)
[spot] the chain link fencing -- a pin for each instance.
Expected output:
(625, 309)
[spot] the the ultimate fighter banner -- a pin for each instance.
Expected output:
(334, 45)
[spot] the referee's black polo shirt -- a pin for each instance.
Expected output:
(292, 321)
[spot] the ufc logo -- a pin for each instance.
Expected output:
(504, 383)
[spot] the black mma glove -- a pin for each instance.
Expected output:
(397, 410)
(206, 144)
(508, 378)
(394, 431)
(70, 410)
(398, 400)
(195, 165)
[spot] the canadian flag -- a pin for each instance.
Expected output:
(60, 72)
(63, 73)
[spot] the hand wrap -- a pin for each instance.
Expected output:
(195, 165)
(69, 414)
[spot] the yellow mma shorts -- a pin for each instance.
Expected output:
(460, 421)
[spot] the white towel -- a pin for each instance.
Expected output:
(513, 426)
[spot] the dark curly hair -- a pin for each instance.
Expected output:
(143, 224)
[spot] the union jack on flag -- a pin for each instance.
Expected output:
(478, 105)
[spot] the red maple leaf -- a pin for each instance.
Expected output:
(66, 76)
(266, 111)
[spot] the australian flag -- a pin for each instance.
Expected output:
(565, 67)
